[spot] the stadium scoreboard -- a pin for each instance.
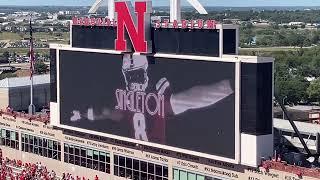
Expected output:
(177, 86)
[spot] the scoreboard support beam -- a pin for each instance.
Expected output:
(175, 10)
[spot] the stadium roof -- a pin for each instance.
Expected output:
(24, 81)
(303, 127)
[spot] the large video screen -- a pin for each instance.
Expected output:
(188, 104)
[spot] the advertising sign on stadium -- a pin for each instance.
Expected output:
(183, 24)
(135, 22)
(137, 25)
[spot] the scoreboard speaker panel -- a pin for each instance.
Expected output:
(93, 37)
(229, 41)
(53, 75)
(256, 98)
(201, 42)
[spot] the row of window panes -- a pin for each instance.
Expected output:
(135, 175)
(41, 142)
(139, 170)
(89, 158)
(93, 159)
(9, 138)
(184, 175)
(41, 146)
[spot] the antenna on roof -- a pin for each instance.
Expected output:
(175, 8)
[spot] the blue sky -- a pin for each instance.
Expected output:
(166, 2)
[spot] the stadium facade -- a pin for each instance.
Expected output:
(135, 100)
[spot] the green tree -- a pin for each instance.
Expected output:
(296, 39)
(62, 17)
(315, 38)
(292, 88)
(7, 75)
(313, 91)
(40, 67)
(37, 55)
(289, 81)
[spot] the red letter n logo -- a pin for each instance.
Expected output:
(137, 26)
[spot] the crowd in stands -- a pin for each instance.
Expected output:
(43, 117)
(278, 164)
(70, 177)
(17, 170)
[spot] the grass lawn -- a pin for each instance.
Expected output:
(37, 35)
(269, 49)
(9, 36)
(24, 51)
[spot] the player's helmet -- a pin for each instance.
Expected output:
(134, 69)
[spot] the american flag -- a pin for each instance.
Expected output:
(31, 52)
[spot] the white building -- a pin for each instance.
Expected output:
(296, 23)
(15, 92)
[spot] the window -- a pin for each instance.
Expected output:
(102, 157)
(191, 176)
(176, 174)
(86, 157)
(9, 138)
(165, 171)
(129, 163)
(139, 170)
(185, 175)
(136, 165)
(77, 160)
(77, 151)
(42, 147)
(158, 170)
(116, 160)
(150, 168)
(143, 166)
(200, 177)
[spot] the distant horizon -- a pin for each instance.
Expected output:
(159, 3)
(154, 6)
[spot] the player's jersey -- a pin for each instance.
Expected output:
(133, 124)
(152, 128)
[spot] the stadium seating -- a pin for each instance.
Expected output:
(44, 117)
(283, 166)
(16, 169)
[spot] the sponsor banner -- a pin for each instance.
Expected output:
(183, 24)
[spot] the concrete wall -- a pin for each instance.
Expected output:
(4, 98)
(19, 97)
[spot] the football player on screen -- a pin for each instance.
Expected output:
(148, 127)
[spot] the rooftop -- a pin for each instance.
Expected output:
(305, 128)
(24, 81)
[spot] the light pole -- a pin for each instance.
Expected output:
(283, 101)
